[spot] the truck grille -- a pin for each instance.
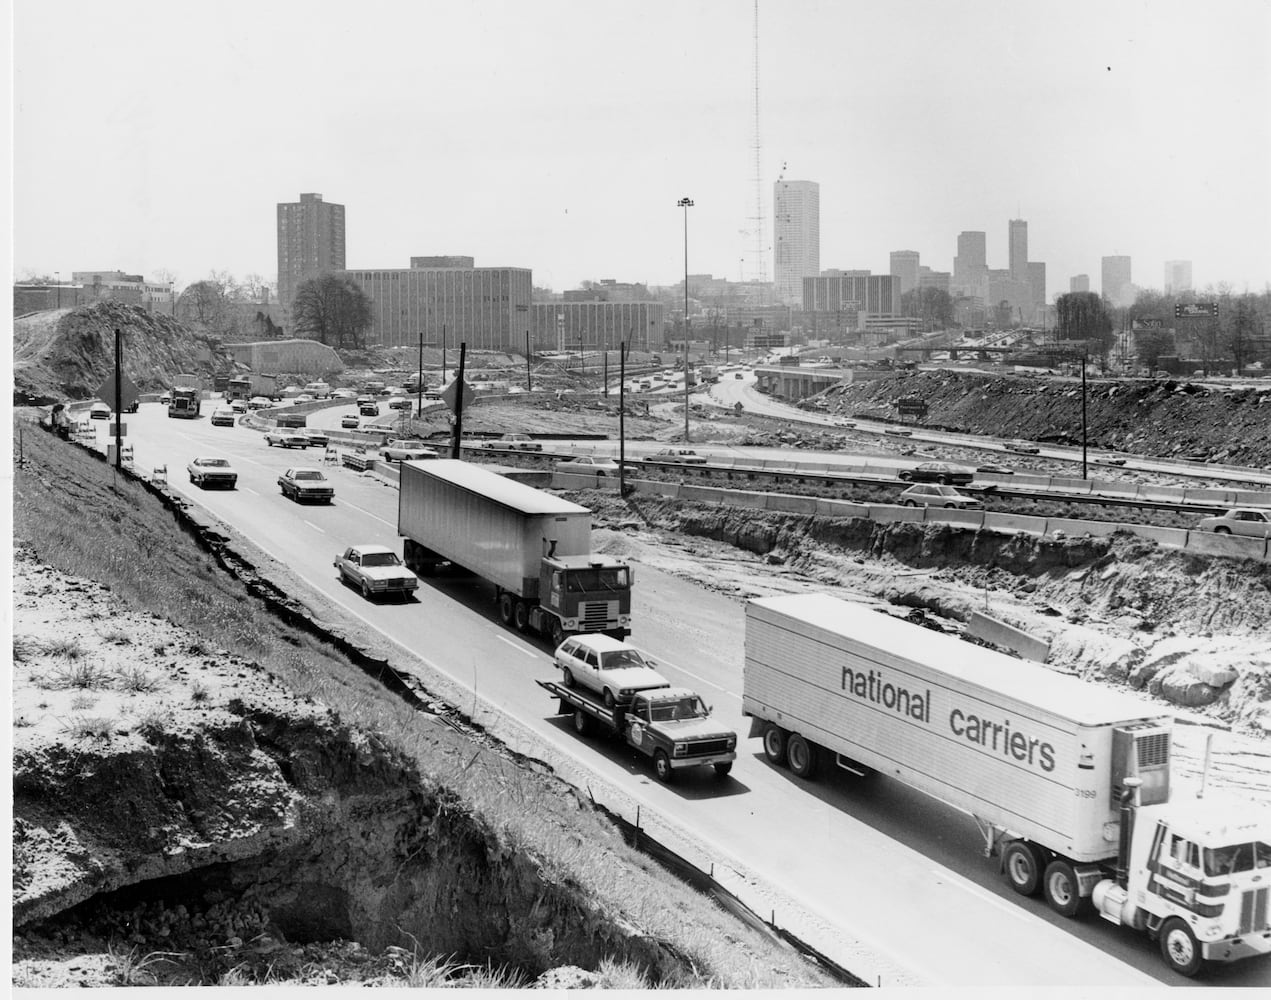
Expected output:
(706, 748)
(594, 616)
(1253, 911)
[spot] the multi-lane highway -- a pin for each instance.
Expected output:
(880, 878)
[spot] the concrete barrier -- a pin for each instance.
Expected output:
(1070, 485)
(1234, 546)
(646, 488)
(791, 504)
(583, 481)
(999, 633)
(1116, 489)
(1076, 529)
(1174, 538)
(1251, 498)
(1014, 522)
(890, 514)
(1225, 498)
(964, 518)
(841, 508)
(1024, 479)
(358, 463)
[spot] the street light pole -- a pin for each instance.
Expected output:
(686, 204)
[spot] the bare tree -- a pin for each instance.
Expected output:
(334, 310)
(1085, 316)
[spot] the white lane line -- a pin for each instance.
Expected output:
(519, 649)
(382, 520)
(698, 677)
(248, 489)
(313, 526)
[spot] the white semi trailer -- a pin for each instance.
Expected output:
(1068, 782)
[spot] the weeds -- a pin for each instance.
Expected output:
(118, 637)
(197, 647)
(134, 969)
(83, 676)
(160, 648)
(83, 727)
(82, 702)
(25, 648)
(199, 692)
(614, 975)
(64, 649)
(137, 680)
(152, 722)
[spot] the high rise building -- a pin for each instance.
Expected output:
(970, 266)
(797, 237)
(1116, 286)
(1178, 276)
(1079, 283)
(310, 241)
(1017, 246)
(905, 266)
(1035, 274)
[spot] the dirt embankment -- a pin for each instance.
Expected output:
(69, 353)
(1161, 417)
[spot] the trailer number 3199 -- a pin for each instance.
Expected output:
(1084, 793)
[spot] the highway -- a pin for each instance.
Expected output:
(883, 880)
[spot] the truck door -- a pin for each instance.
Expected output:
(1174, 870)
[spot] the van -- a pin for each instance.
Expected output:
(318, 390)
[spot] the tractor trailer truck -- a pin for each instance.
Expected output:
(1068, 782)
(533, 546)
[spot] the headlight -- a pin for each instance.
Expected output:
(732, 741)
(626, 692)
(681, 749)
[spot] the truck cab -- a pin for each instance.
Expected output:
(588, 593)
(674, 727)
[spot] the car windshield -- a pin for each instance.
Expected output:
(218, 463)
(609, 578)
(620, 658)
(678, 711)
(380, 559)
(307, 474)
(946, 491)
(1237, 858)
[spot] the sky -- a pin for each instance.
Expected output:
(560, 134)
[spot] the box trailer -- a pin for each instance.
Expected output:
(533, 546)
(1068, 782)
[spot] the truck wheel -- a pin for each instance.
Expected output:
(556, 633)
(1022, 863)
(801, 755)
(1062, 890)
(1180, 949)
(582, 722)
(506, 604)
(774, 744)
(662, 766)
(521, 615)
(722, 768)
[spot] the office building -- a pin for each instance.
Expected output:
(1178, 276)
(864, 294)
(1035, 276)
(310, 242)
(1079, 283)
(938, 280)
(970, 267)
(905, 266)
(797, 237)
(597, 326)
(486, 307)
(1017, 249)
(1116, 286)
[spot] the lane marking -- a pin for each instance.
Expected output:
(314, 526)
(519, 649)
(248, 489)
(703, 680)
(382, 520)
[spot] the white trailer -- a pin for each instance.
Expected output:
(1068, 782)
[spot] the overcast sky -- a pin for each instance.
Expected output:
(560, 135)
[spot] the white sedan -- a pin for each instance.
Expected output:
(375, 569)
(207, 472)
(286, 439)
(595, 465)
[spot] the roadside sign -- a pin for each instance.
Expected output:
(106, 392)
(118, 430)
(1193, 310)
(450, 393)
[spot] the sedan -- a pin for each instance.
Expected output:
(208, 472)
(368, 410)
(997, 470)
(286, 439)
(349, 422)
(610, 668)
(398, 403)
(238, 406)
(317, 438)
(938, 472)
(224, 417)
(99, 411)
(302, 484)
(934, 495)
(259, 403)
(1252, 521)
(375, 569)
(404, 450)
(516, 442)
(678, 456)
(596, 465)
(1023, 447)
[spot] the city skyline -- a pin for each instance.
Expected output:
(492, 148)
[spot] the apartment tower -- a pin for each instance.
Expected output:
(797, 237)
(310, 242)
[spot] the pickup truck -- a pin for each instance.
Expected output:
(670, 724)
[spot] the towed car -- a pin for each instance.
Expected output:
(610, 668)
(375, 569)
(596, 465)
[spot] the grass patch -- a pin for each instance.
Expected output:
(118, 637)
(199, 692)
(132, 968)
(83, 727)
(82, 675)
(137, 680)
(64, 649)
(25, 648)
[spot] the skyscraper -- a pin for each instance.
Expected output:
(970, 266)
(310, 241)
(797, 230)
(1017, 246)
(1115, 286)
(904, 265)
(1178, 276)
(1079, 283)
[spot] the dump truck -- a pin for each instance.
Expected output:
(1068, 782)
(671, 725)
(533, 546)
(184, 402)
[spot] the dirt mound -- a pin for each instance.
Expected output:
(68, 353)
(1159, 417)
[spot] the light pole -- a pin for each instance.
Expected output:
(686, 204)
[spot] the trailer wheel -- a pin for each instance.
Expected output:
(1022, 863)
(801, 756)
(662, 766)
(1062, 889)
(582, 722)
(774, 744)
(722, 768)
(1180, 949)
(521, 615)
(506, 607)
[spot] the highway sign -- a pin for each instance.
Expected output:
(450, 392)
(106, 392)
(1195, 310)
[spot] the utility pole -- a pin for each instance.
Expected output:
(1083, 416)
(529, 385)
(622, 424)
(119, 403)
(455, 449)
(419, 401)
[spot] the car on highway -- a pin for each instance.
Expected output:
(903, 432)
(223, 416)
(349, 422)
(1023, 447)
(938, 472)
(238, 405)
(287, 439)
(738, 375)
(1254, 522)
(596, 465)
(318, 438)
(514, 442)
(935, 495)
(166, 398)
(610, 668)
(207, 472)
(368, 409)
(343, 393)
(997, 470)
(406, 450)
(306, 483)
(99, 411)
(398, 403)
(259, 403)
(679, 456)
(374, 570)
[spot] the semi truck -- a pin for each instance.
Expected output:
(533, 546)
(185, 396)
(250, 386)
(1068, 782)
(671, 725)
